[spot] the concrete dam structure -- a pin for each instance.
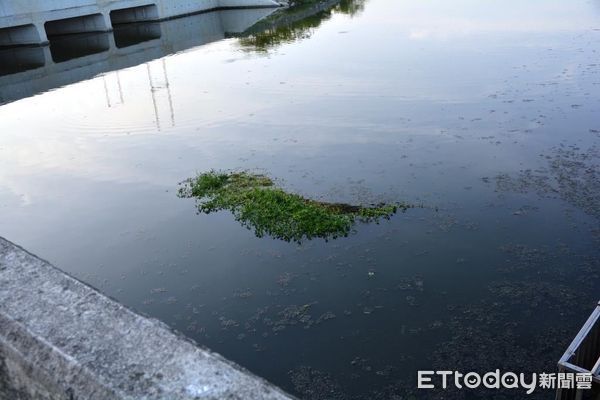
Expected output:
(27, 71)
(32, 22)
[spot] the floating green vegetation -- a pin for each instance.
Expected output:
(258, 204)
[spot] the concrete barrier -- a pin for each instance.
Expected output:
(27, 22)
(37, 70)
(63, 340)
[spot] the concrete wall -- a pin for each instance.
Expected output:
(78, 16)
(63, 340)
(37, 70)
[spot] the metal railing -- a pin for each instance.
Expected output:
(583, 357)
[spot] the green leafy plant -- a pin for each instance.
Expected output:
(258, 204)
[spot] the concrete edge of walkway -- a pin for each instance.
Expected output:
(62, 339)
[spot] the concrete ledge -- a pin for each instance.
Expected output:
(61, 339)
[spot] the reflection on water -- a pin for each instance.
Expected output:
(132, 34)
(484, 111)
(20, 59)
(76, 46)
(73, 58)
(295, 24)
(160, 88)
(351, 7)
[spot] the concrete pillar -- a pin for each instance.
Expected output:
(107, 22)
(43, 38)
(18, 59)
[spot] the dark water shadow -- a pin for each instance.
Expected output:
(70, 47)
(132, 34)
(21, 59)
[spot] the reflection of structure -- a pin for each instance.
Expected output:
(112, 85)
(21, 59)
(28, 71)
(160, 88)
(295, 24)
(26, 22)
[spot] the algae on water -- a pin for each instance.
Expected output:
(258, 204)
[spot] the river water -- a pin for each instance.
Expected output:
(484, 113)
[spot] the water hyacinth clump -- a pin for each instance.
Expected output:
(258, 204)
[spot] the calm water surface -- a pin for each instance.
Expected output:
(485, 112)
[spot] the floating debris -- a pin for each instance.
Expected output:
(228, 323)
(315, 385)
(242, 294)
(412, 301)
(416, 283)
(571, 175)
(325, 317)
(292, 315)
(259, 205)
(285, 279)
